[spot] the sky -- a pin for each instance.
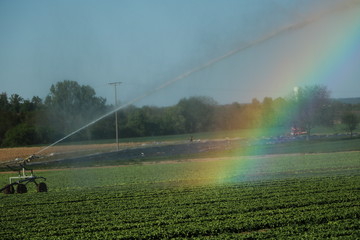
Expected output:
(165, 50)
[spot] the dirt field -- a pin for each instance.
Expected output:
(9, 154)
(100, 154)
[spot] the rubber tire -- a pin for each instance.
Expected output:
(21, 188)
(9, 189)
(41, 187)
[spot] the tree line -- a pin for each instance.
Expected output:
(70, 106)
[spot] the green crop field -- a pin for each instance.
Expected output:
(279, 196)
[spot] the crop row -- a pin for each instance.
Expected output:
(318, 207)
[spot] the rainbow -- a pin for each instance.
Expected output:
(321, 57)
(324, 58)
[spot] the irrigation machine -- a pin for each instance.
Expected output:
(25, 176)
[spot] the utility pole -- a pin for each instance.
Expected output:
(116, 118)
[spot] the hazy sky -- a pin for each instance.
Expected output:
(145, 44)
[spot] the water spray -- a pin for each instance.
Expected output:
(290, 27)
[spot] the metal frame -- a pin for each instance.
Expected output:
(22, 177)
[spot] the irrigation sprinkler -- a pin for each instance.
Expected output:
(23, 178)
(258, 41)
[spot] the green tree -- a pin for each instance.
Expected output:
(136, 123)
(153, 120)
(267, 112)
(17, 114)
(70, 106)
(281, 114)
(198, 113)
(21, 135)
(4, 103)
(5, 122)
(310, 105)
(15, 102)
(10, 115)
(351, 121)
(172, 121)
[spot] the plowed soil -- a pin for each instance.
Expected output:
(102, 154)
(10, 154)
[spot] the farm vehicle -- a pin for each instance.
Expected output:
(25, 176)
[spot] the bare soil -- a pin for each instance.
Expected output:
(106, 154)
(10, 154)
(95, 155)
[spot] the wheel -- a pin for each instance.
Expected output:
(9, 189)
(41, 187)
(21, 188)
